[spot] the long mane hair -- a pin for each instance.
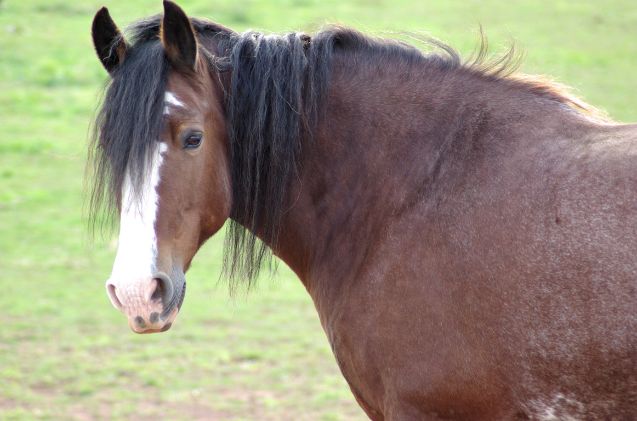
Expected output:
(277, 84)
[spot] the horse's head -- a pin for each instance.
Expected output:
(162, 147)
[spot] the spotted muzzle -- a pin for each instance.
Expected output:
(150, 303)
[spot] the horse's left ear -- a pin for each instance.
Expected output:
(108, 40)
(178, 37)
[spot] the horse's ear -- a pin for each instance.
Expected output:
(108, 40)
(178, 37)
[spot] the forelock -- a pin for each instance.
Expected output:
(128, 125)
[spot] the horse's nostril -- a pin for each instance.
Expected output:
(163, 289)
(112, 294)
(159, 290)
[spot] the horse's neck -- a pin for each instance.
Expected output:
(380, 147)
(370, 149)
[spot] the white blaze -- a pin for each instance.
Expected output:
(137, 248)
(171, 99)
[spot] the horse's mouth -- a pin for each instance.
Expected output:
(163, 329)
(167, 316)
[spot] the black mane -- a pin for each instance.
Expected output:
(273, 101)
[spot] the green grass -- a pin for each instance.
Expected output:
(66, 354)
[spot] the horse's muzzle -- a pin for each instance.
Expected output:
(150, 303)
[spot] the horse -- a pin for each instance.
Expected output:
(467, 234)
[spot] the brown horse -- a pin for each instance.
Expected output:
(468, 237)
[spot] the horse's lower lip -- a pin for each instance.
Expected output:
(163, 329)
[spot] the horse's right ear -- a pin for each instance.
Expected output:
(108, 40)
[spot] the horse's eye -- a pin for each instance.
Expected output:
(193, 140)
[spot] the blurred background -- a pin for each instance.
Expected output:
(66, 354)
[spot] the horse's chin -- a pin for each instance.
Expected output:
(163, 329)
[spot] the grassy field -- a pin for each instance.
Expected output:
(66, 354)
